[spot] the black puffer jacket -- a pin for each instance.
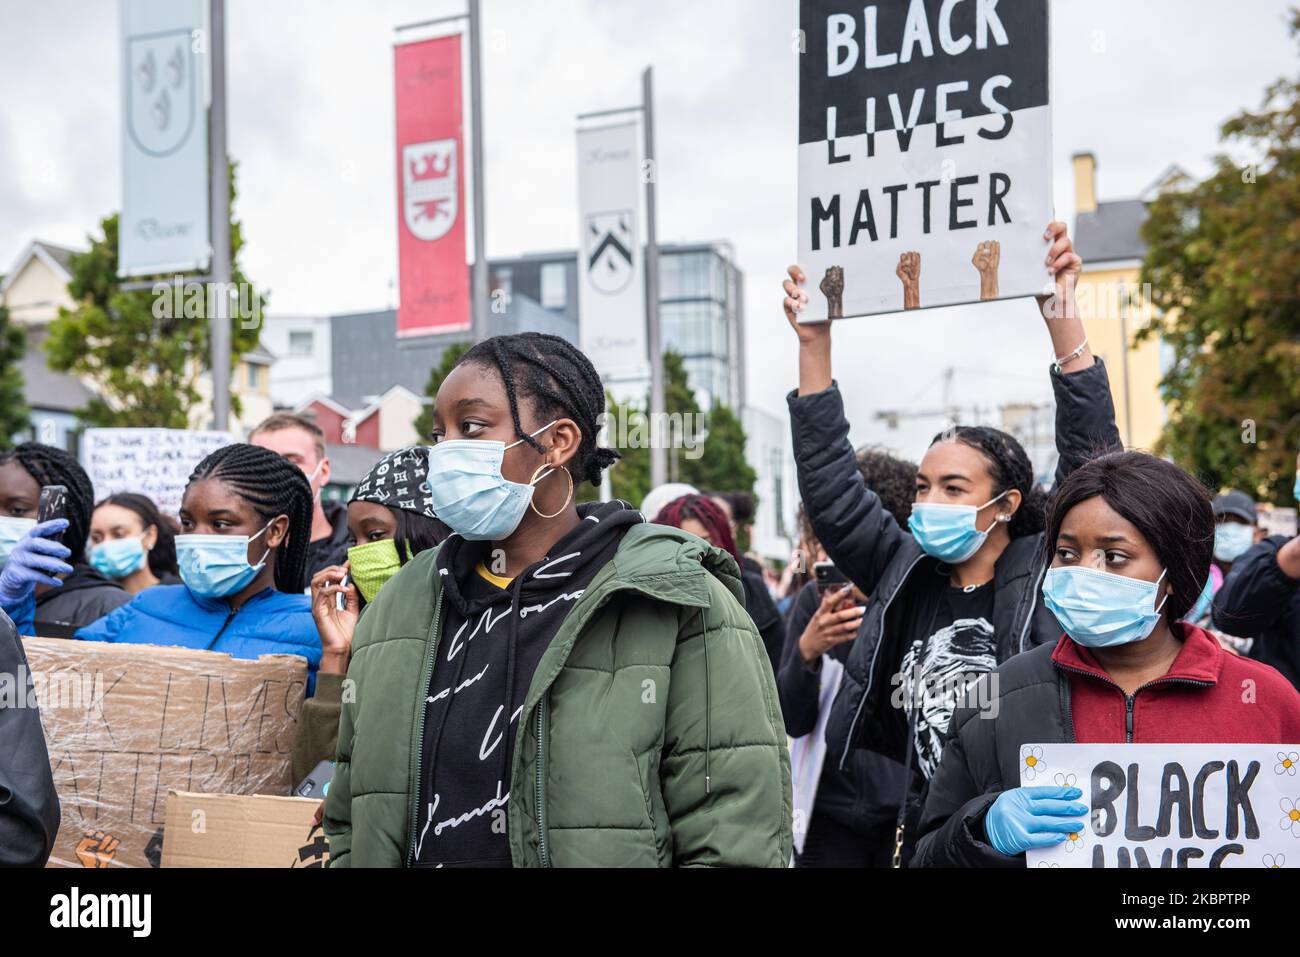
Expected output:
(981, 759)
(885, 561)
(29, 806)
(1258, 600)
(84, 597)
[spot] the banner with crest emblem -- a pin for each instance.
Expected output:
(611, 265)
(434, 276)
(165, 201)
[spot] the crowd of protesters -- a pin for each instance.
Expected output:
(537, 682)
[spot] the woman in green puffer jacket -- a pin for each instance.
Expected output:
(555, 685)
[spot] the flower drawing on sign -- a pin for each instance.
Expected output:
(1048, 864)
(1273, 860)
(1065, 779)
(1031, 762)
(1290, 817)
(1286, 762)
(1074, 842)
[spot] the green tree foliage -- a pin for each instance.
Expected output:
(450, 356)
(709, 450)
(14, 414)
(144, 355)
(1224, 263)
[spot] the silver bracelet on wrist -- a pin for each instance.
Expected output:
(1070, 357)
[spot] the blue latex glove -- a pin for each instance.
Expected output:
(35, 560)
(1024, 818)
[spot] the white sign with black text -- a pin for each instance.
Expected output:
(925, 174)
(152, 462)
(1173, 805)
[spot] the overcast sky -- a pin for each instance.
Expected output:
(1142, 85)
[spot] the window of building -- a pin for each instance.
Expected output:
(555, 291)
(302, 342)
(254, 377)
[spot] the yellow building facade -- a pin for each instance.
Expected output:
(1113, 308)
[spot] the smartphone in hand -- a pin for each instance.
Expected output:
(830, 578)
(53, 504)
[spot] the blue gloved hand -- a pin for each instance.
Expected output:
(1024, 818)
(35, 560)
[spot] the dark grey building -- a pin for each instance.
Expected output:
(701, 309)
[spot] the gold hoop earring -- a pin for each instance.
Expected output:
(567, 498)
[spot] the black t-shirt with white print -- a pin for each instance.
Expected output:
(961, 648)
(494, 633)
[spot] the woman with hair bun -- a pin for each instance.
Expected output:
(1130, 540)
(960, 594)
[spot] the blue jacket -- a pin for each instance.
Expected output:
(269, 623)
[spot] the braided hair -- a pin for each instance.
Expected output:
(705, 511)
(273, 486)
(51, 466)
(1010, 468)
(561, 383)
(162, 557)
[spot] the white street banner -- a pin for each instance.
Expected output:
(164, 222)
(925, 174)
(611, 270)
(1174, 805)
(152, 462)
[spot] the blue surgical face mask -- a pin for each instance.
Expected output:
(1203, 603)
(1232, 540)
(1101, 609)
(216, 566)
(469, 494)
(1296, 488)
(12, 531)
(118, 557)
(949, 532)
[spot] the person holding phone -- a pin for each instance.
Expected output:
(390, 517)
(850, 812)
(47, 586)
(557, 684)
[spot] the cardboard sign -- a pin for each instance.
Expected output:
(232, 830)
(153, 462)
(925, 174)
(124, 724)
(1174, 805)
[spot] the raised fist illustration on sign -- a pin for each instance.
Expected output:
(987, 258)
(96, 849)
(909, 271)
(833, 289)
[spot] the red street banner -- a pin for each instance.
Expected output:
(430, 194)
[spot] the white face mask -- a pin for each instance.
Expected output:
(311, 480)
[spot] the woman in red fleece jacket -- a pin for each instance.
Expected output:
(1132, 538)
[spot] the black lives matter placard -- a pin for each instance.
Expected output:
(924, 153)
(1173, 805)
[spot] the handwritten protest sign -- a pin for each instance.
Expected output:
(924, 153)
(153, 462)
(124, 724)
(1174, 805)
